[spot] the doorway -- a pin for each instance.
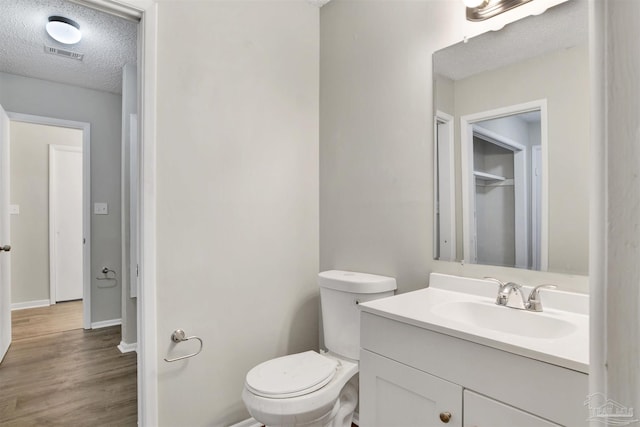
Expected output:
(50, 212)
(68, 103)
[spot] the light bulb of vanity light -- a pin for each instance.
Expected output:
(471, 4)
(64, 30)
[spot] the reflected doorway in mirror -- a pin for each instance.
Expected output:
(497, 181)
(444, 242)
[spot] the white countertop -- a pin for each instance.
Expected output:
(417, 308)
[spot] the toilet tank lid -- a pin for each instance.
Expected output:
(358, 283)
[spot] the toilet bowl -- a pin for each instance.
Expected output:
(318, 389)
(303, 389)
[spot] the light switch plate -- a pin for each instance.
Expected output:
(14, 209)
(100, 209)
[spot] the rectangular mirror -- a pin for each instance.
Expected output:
(511, 156)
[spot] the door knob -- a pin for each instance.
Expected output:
(5, 248)
(445, 417)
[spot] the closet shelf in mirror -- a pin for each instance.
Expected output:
(484, 176)
(506, 183)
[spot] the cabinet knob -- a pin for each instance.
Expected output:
(445, 417)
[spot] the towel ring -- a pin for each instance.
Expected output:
(179, 336)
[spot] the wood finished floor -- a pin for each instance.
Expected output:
(69, 378)
(63, 316)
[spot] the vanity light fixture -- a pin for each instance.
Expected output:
(475, 3)
(64, 30)
(479, 10)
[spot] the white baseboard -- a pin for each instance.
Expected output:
(127, 348)
(106, 323)
(248, 423)
(30, 304)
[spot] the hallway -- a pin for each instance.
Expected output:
(54, 375)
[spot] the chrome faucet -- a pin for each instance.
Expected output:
(510, 295)
(508, 292)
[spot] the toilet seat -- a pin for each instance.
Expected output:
(291, 376)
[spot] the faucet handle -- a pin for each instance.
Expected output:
(500, 283)
(533, 302)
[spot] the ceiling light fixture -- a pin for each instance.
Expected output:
(64, 30)
(479, 10)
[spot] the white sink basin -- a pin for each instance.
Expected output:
(465, 308)
(504, 319)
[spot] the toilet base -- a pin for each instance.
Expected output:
(330, 406)
(345, 405)
(341, 415)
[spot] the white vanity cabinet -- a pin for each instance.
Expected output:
(410, 376)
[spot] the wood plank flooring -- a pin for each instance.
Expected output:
(63, 316)
(70, 378)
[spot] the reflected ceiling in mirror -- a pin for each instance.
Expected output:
(535, 67)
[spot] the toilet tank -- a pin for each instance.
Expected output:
(340, 294)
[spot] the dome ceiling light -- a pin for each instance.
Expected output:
(64, 30)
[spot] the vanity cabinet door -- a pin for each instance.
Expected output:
(396, 395)
(480, 411)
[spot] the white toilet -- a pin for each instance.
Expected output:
(319, 389)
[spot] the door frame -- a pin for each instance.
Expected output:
(536, 160)
(466, 138)
(444, 187)
(144, 12)
(53, 283)
(86, 199)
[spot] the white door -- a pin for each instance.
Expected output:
(5, 259)
(65, 219)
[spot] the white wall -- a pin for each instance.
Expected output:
(375, 143)
(30, 191)
(101, 109)
(376, 140)
(237, 196)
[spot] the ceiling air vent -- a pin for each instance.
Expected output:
(64, 53)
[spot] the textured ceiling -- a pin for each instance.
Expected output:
(560, 27)
(108, 42)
